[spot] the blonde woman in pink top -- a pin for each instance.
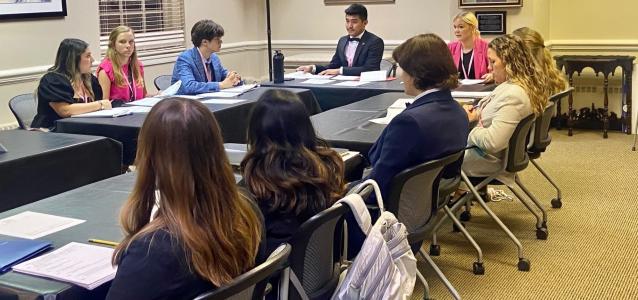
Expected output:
(469, 51)
(121, 74)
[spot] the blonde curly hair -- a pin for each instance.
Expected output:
(534, 41)
(521, 69)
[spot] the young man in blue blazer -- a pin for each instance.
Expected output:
(359, 51)
(199, 68)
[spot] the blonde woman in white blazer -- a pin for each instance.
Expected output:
(518, 95)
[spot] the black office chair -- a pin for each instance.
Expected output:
(542, 139)
(516, 160)
(414, 200)
(24, 109)
(162, 82)
(245, 285)
(388, 66)
(313, 258)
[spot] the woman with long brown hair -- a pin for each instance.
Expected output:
(187, 228)
(555, 80)
(291, 172)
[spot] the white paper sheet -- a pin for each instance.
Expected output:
(139, 109)
(318, 81)
(106, 113)
(242, 88)
(223, 101)
(345, 156)
(171, 90)
(344, 77)
(374, 76)
(473, 95)
(150, 101)
(85, 265)
(219, 95)
(471, 81)
(191, 97)
(351, 83)
(33, 225)
(302, 75)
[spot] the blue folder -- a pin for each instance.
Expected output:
(15, 251)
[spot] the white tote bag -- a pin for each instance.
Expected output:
(385, 268)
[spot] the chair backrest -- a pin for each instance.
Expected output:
(24, 109)
(245, 285)
(542, 138)
(389, 67)
(517, 158)
(414, 194)
(162, 82)
(313, 258)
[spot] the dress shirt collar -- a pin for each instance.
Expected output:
(358, 36)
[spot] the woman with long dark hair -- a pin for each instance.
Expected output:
(292, 173)
(187, 228)
(68, 88)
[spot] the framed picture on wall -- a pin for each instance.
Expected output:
(18, 9)
(491, 22)
(348, 2)
(490, 3)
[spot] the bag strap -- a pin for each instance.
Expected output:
(359, 210)
(377, 191)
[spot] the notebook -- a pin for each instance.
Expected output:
(15, 251)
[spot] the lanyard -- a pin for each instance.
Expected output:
(469, 68)
(131, 85)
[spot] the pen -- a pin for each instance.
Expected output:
(103, 242)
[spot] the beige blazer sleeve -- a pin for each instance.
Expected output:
(499, 118)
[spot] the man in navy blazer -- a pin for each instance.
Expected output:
(199, 68)
(359, 51)
(434, 125)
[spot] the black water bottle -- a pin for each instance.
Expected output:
(278, 66)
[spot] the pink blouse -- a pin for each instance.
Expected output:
(122, 92)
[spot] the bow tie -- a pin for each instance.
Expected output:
(351, 39)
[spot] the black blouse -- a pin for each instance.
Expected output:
(466, 63)
(55, 87)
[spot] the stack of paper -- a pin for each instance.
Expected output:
(242, 88)
(150, 101)
(106, 113)
(85, 265)
(471, 81)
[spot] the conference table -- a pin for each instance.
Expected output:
(41, 164)
(349, 126)
(232, 119)
(332, 96)
(99, 204)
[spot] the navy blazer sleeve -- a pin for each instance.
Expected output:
(389, 155)
(336, 58)
(372, 62)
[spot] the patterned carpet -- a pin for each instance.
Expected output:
(592, 249)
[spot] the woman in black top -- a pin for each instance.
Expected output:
(68, 88)
(291, 172)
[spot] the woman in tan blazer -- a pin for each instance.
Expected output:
(519, 94)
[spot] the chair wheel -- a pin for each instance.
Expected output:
(455, 228)
(523, 264)
(435, 250)
(478, 268)
(556, 203)
(542, 233)
(465, 216)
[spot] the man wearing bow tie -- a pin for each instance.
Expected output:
(359, 51)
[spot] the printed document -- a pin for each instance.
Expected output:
(85, 265)
(33, 225)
